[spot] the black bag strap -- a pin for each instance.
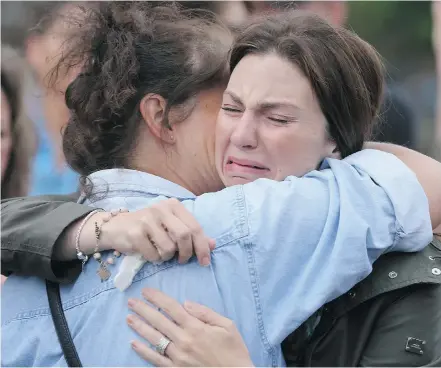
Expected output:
(61, 326)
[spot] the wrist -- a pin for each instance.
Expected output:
(110, 229)
(87, 240)
(66, 246)
(110, 232)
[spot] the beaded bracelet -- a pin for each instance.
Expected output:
(103, 270)
(80, 255)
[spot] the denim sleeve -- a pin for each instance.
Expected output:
(315, 237)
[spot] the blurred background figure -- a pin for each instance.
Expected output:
(407, 35)
(46, 103)
(18, 139)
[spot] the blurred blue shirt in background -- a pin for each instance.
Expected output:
(47, 177)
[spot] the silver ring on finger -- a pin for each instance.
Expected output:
(162, 345)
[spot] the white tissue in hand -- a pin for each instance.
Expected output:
(128, 269)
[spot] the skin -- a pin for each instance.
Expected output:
(188, 166)
(195, 320)
(277, 125)
(6, 134)
(188, 157)
(264, 121)
(270, 137)
(190, 163)
(293, 127)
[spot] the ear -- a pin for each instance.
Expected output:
(152, 108)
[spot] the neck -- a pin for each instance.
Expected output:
(194, 186)
(172, 167)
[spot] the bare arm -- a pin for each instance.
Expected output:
(427, 171)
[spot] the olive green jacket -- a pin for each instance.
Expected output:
(392, 318)
(30, 229)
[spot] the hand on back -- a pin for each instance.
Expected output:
(158, 232)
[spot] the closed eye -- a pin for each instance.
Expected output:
(280, 121)
(230, 109)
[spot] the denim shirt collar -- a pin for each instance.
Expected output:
(125, 180)
(325, 163)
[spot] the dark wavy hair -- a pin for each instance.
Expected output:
(345, 72)
(127, 50)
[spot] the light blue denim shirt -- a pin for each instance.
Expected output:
(283, 250)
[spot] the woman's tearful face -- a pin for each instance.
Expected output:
(270, 124)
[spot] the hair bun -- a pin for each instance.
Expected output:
(126, 50)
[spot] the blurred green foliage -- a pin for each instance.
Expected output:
(400, 30)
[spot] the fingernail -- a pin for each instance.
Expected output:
(212, 244)
(134, 344)
(206, 261)
(188, 305)
(131, 303)
(130, 320)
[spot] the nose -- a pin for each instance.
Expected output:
(245, 132)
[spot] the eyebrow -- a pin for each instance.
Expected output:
(274, 105)
(265, 105)
(234, 97)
